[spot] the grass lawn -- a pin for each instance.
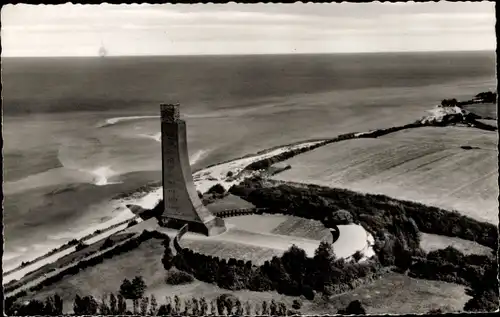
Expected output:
(72, 257)
(257, 223)
(107, 276)
(229, 202)
(304, 228)
(226, 250)
(483, 109)
(396, 294)
(431, 242)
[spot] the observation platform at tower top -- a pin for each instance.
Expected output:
(170, 112)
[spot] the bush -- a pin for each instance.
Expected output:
(167, 259)
(80, 246)
(342, 217)
(354, 308)
(217, 189)
(179, 278)
(436, 311)
(132, 223)
(449, 102)
(357, 256)
(108, 243)
(297, 304)
(229, 174)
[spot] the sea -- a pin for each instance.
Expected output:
(81, 133)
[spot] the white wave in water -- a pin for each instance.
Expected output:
(156, 136)
(115, 120)
(102, 174)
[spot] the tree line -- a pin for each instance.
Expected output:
(111, 304)
(267, 162)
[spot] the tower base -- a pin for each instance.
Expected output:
(212, 227)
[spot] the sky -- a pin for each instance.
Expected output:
(79, 30)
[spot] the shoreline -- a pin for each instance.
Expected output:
(204, 177)
(140, 194)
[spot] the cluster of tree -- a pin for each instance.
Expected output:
(51, 306)
(214, 193)
(478, 272)
(449, 102)
(292, 274)
(179, 278)
(487, 97)
(80, 246)
(132, 223)
(133, 289)
(354, 308)
(156, 212)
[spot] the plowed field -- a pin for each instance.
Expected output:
(427, 165)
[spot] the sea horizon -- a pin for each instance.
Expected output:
(264, 54)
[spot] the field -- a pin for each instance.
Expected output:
(485, 110)
(397, 294)
(237, 241)
(144, 261)
(305, 228)
(423, 164)
(227, 203)
(259, 223)
(431, 242)
(70, 258)
(281, 225)
(227, 249)
(489, 122)
(259, 237)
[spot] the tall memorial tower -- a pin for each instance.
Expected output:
(181, 201)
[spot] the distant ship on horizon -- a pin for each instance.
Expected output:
(102, 51)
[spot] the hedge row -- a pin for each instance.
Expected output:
(267, 162)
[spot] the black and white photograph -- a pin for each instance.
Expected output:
(240, 159)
